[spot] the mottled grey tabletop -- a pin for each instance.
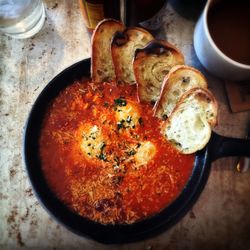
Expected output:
(220, 218)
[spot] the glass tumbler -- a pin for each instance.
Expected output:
(21, 18)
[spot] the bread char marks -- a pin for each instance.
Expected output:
(102, 68)
(151, 64)
(123, 47)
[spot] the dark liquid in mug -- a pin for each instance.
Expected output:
(229, 26)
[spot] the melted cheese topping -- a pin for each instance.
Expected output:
(127, 116)
(145, 153)
(92, 141)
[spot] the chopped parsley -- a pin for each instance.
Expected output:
(131, 152)
(103, 145)
(120, 124)
(102, 157)
(120, 102)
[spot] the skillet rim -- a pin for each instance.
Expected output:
(109, 234)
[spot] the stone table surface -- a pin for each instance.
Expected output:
(220, 219)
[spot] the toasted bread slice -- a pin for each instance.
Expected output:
(123, 48)
(189, 125)
(180, 79)
(102, 68)
(151, 64)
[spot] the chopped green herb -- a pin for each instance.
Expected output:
(120, 124)
(131, 152)
(102, 157)
(102, 146)
(120, 102)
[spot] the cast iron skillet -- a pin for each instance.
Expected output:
(217, 147)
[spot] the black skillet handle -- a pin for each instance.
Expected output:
(221, 146)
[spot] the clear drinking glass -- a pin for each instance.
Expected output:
(21, 18)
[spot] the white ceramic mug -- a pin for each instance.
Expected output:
(211, 57)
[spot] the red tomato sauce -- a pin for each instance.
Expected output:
(92, 148)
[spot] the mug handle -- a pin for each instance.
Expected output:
(221, 146)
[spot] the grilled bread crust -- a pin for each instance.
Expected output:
(180, 79)
(151, 64)
(188, 128)
(123, 48)
(102, 68)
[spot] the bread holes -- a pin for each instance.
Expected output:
(190, 123)
(123, 68)
(103, 61)
(99, 72)
(169, 100)
(143, 69)
(181, 78)
(164, 72)
(176, 92)
(185, 80)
